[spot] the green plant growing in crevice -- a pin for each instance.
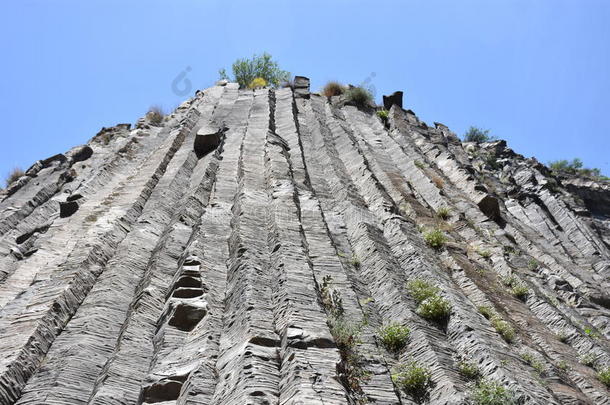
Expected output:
(346, 335)
(499, 324)
(603, 375)
(443, 213)
(533, 265)
(355, 261)
(469, 370)
(394, 336)
(484, 253)
(414, 379)
(535, 363)
(487, 392)
(430, 305)
(563, 366)
(562, 336)
(516, 287)
(588, 359)
(419, 164)
(384, 116)
(435, 238)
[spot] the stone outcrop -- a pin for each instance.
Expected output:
(249, 248)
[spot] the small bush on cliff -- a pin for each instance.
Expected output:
(420, 290)
(259, 66)
(14, 175)
(575, 167)
(435, 238)
(469, 369)
(413, 379)
(360, 96)
(478, 135)
(604, 376)
(394, 336)
(333, 89)
(492, 393)
(257, 83)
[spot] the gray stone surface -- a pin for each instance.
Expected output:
(192, 262)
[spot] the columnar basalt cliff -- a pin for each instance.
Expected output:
(249, 248)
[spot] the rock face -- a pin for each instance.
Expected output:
(249, 249)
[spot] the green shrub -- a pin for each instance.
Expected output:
(420, 290)
(435, 238)
(333, 89)
(517, 287)
(394, 336)
(443, 212)
(413, 379)
(383, 115)
(488, 392)
(469, 370)
(588, 359)
(355, 262)
(155, 115)
(246, 70)
(419, 164)
(503, 328)
(14, 175)
(478, 135)
(435, 308)
(562, 365)
(359, 96)
(603, 375)
(532, 265)
(485, 254)
(487, 312)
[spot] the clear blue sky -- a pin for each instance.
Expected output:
(535, 72)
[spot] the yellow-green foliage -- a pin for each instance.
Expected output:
(383, 114)
(257, 83)
(469, 370)
(413, 379)
(503, 328)
(488, 392)
(435, 308)
(394, 336)
(420, 289)
(435, 238)
(443, 212)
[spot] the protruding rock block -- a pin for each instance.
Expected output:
(208, 138)
(393, 99)
(187, 313)
(489, 206)
(67, 208)
(164, 390)
(301, 87)
(81, 153)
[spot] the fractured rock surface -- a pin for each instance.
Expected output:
(208, 259)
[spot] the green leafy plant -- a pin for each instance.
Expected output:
(532, 265)
(359, 96)
(588, 359)
(516, 287)
(469, 369)
(435, 238)
(394, 336)
(486, 311)
(535, 363)
(346, 334)
(503, 328)
(383, 115)
(477, 135)
(487, 392)
(259, 66)
(420, 290)
(14, 175)
(355, 262)
(443, 212)
(484, 253)
(414, 379)
(333, 89)
(435, 308)
(419, 164)
(603, 375)
(574, 167)
(563, 365)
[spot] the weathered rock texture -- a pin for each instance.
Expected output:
(185, 263)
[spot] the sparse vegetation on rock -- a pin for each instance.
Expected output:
(603, 375)
(333, 89)
(575, 167)
(487, 392)
(394, 336)
(358, 96)
(435, 238)
(414, 379)
(469, 370)
(431, 305)
(155, 115)
(478, 135)
(246, 70)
